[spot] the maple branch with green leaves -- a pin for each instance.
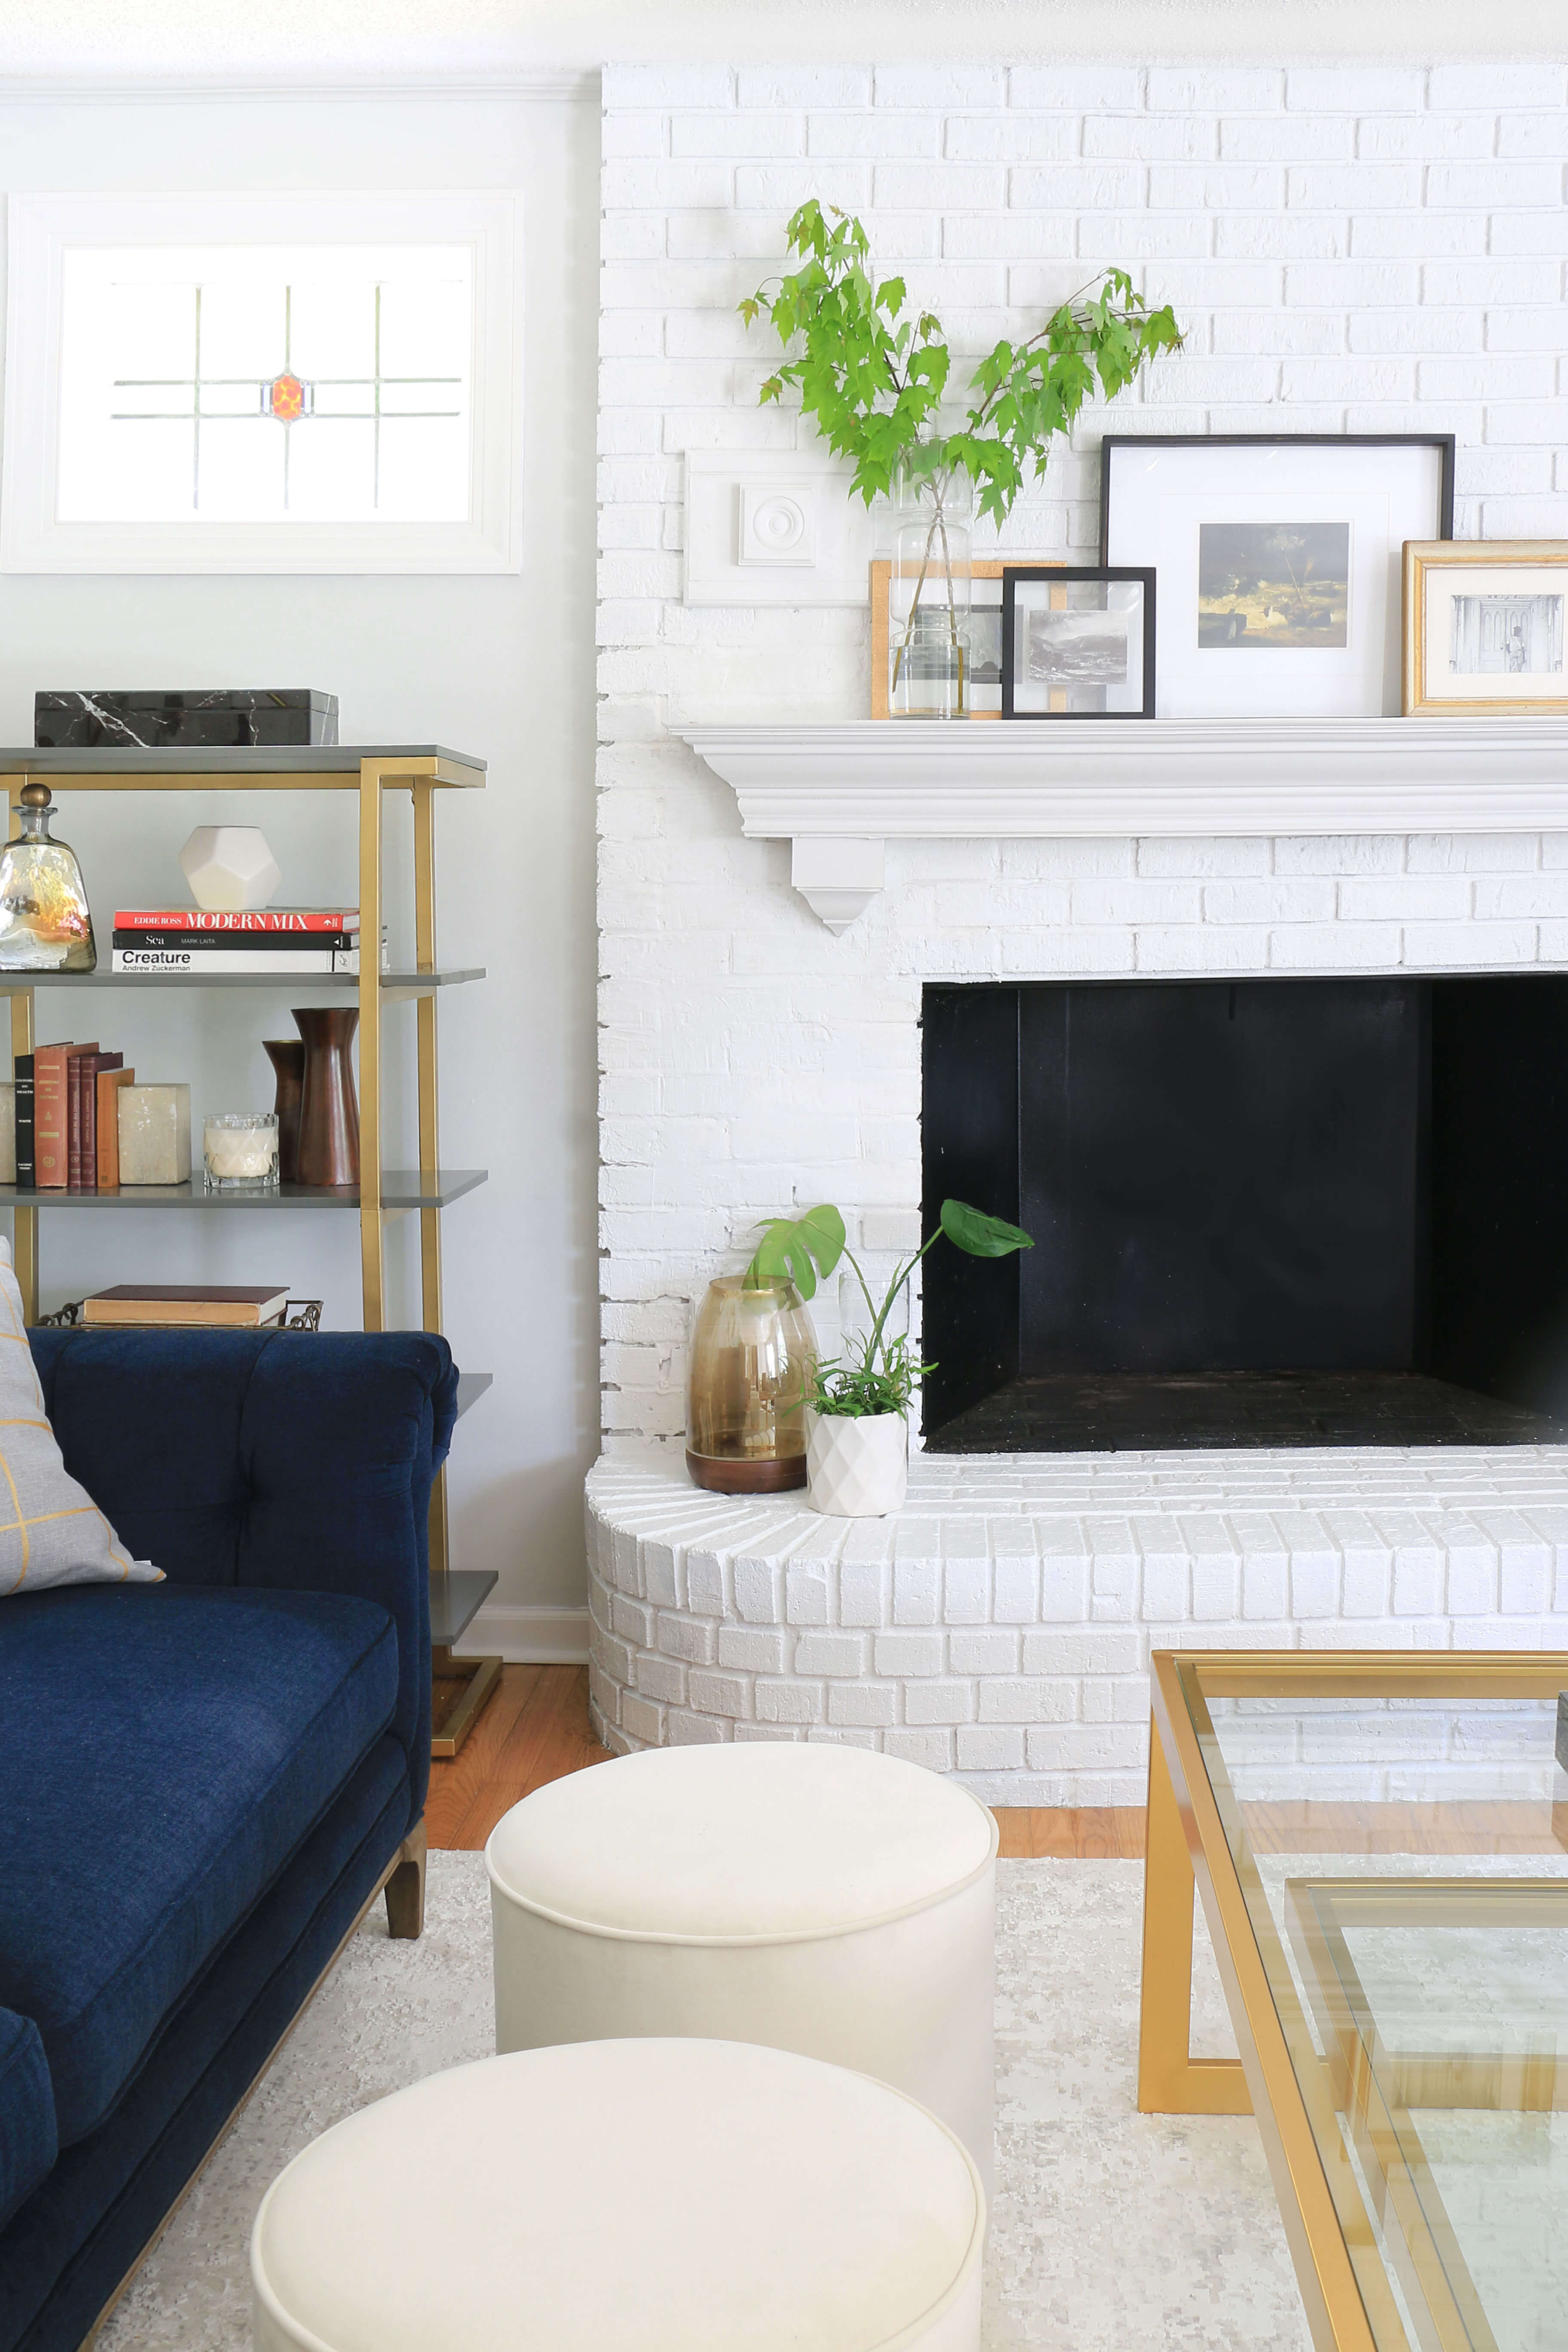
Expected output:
(874, 379)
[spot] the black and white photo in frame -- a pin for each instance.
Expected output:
(1485, 626)
(1278, 559)
(1078, 642)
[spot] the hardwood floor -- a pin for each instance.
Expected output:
(536, 1727)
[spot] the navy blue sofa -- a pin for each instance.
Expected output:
(203, 1782)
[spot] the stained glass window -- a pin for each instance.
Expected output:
(266, 383)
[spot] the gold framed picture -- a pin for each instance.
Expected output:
(985, 688)
(1485, 626)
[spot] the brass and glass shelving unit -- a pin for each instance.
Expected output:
(381, 1194)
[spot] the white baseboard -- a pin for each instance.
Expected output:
(528, 1633)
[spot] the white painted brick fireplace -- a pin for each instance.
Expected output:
(1359, 247)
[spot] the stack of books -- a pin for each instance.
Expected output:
(181, 1305)
(68, 1117)
(277, 942)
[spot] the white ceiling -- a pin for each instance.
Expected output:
(394, 39)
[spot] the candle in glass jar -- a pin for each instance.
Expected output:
(241, 1148)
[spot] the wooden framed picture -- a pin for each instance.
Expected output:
(1484, 626)
(985, 694)
(1078, 642)
(1279, 558)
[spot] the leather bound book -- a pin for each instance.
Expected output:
(107, 1090)
(50, 1133)
(81, 1065)
(26, 1167)
(241, 1305)
(73, 1120)
(92, 1066)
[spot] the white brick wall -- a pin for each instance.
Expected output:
(1363, 247)
(1000, 1627)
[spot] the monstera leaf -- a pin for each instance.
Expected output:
(797, 1249)
(979, 1235)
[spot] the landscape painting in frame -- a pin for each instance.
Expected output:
(1486, 627)
(1265, 586)
(1279, 559)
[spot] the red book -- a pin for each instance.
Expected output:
(289, 920)
(49, 1131)
(85, 1068)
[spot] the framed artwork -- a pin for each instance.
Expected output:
(984, 633)
(1078, 643)
(1484, 626)
(1280, 563)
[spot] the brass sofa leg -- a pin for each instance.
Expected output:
(406, 1888)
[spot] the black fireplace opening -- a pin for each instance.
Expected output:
(1265, 1211)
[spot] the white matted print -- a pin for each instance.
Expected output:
(1278, 564)
(1486, 627)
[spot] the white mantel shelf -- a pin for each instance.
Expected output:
(839, 792)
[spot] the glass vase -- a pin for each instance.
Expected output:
(928, 596)
(753, 1357)
(45, 924)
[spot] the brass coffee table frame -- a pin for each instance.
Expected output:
(1375, 2088)
(1339, 2269)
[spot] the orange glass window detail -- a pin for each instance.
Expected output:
(285, 398)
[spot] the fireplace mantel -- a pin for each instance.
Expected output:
(839, 792)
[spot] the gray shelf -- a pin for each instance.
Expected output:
(211, 760)
(456, 1595)
(393, 983)
(400, 1188)
(471, 1387)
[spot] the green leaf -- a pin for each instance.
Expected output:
(873, 380)
(980, 1235)
(796, 1249)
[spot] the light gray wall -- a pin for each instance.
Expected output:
(501, 667)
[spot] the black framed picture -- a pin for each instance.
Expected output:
(1279, 561)
(1078, 642)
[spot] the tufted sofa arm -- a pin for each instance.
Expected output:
(292, 1459)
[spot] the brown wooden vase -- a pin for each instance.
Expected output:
(328, 1109)
(286, 1055)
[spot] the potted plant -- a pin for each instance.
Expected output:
(857, 1418)
(874, 381)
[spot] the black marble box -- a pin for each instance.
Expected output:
(220, 719)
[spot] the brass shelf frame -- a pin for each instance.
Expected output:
(421, 769)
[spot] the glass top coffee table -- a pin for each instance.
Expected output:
(1381, 1843)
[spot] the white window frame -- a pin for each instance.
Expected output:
(42, 229)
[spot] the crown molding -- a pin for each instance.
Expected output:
(547, 83)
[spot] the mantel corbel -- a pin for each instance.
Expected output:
(839, 792)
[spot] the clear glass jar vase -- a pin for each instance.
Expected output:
(45, 924)
(929, 594)
(754, 1360)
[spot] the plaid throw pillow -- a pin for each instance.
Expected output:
(51, 1531)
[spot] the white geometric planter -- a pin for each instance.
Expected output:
(857, 1468)
(229, 868)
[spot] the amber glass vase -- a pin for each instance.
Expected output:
(754, 1353)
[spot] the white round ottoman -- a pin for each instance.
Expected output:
(828, 1900)
(661, 2196)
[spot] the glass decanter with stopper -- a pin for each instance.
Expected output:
(45, 924)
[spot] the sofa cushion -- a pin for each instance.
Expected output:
(27, 2113)
(51, 1531)
(180, 1742)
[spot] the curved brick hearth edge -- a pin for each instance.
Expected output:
(999, 1626)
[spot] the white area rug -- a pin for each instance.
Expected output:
(1112, 2232)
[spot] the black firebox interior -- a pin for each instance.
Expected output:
(1266, 1212)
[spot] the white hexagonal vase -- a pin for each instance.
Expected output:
(857, 1468)
(229, 868)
